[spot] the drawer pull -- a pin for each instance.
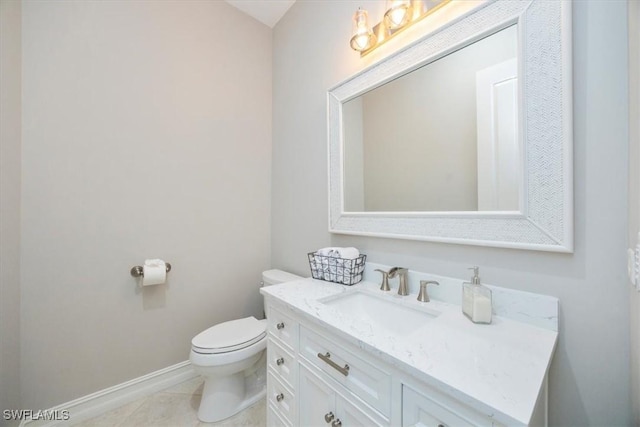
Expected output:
(280, 326)
(328, 417)
(336, 423)
(279, 361)
(327, 359)
(279, 397)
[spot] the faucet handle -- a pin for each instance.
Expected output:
(384, 286)
(423, 295)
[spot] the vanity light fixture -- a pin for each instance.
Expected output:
(400, 14)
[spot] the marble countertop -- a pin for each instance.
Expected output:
(498, 369)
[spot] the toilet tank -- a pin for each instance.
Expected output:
(273, 277)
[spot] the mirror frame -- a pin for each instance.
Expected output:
(545, 221)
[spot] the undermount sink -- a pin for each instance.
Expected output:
(385, 313)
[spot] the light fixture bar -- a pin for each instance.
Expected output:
(383, 33)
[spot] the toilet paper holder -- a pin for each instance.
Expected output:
(137, 271)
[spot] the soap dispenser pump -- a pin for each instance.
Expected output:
(476, 299)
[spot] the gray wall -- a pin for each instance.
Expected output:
(634, 193)
(589, 382)
(146, 133)
(10, 75)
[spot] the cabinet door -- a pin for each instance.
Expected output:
(282, 363)
(423, 411)
(281, 398)
(283, 327)
(316, 399)
(274, 419)
(352, 415)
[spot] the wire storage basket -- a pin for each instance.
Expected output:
(338, 270)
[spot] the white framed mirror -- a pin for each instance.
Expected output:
(463, 137)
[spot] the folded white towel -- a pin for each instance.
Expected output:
(347, 253)
(326, 251)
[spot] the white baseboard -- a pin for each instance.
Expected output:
(110, 398)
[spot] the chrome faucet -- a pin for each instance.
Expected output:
(402, 273)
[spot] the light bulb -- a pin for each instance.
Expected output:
(398, 14)
(363, 38)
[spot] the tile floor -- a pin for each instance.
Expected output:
(174, 407)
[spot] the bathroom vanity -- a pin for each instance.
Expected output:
(355, 355)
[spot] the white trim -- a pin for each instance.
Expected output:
(546, 220)
(102, 401)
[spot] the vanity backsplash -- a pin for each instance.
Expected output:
(526, 307)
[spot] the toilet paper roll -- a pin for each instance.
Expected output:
(155, 272)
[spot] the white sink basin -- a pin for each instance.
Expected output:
(384, 313)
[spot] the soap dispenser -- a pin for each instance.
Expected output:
(476, 299)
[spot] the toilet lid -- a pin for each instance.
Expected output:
(229, 336)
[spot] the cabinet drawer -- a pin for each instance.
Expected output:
(274, 419)
(434, 409)
(366, 381)
(280, 398)
(283, 327)
(282, 363)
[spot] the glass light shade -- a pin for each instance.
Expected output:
(363, 38)
(398, 14)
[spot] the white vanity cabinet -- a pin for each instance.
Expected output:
(316, 378)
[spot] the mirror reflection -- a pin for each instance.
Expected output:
(441, 138)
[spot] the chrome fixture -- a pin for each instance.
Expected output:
(384, 286)
(327, 359)
(402, 273)
(423, 295)
(138, 271)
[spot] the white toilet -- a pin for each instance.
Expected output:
(230, 357)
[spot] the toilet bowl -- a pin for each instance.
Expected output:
(230, 357)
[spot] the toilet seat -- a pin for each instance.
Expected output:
(229, 336)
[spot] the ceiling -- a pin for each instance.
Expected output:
(268, 12)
